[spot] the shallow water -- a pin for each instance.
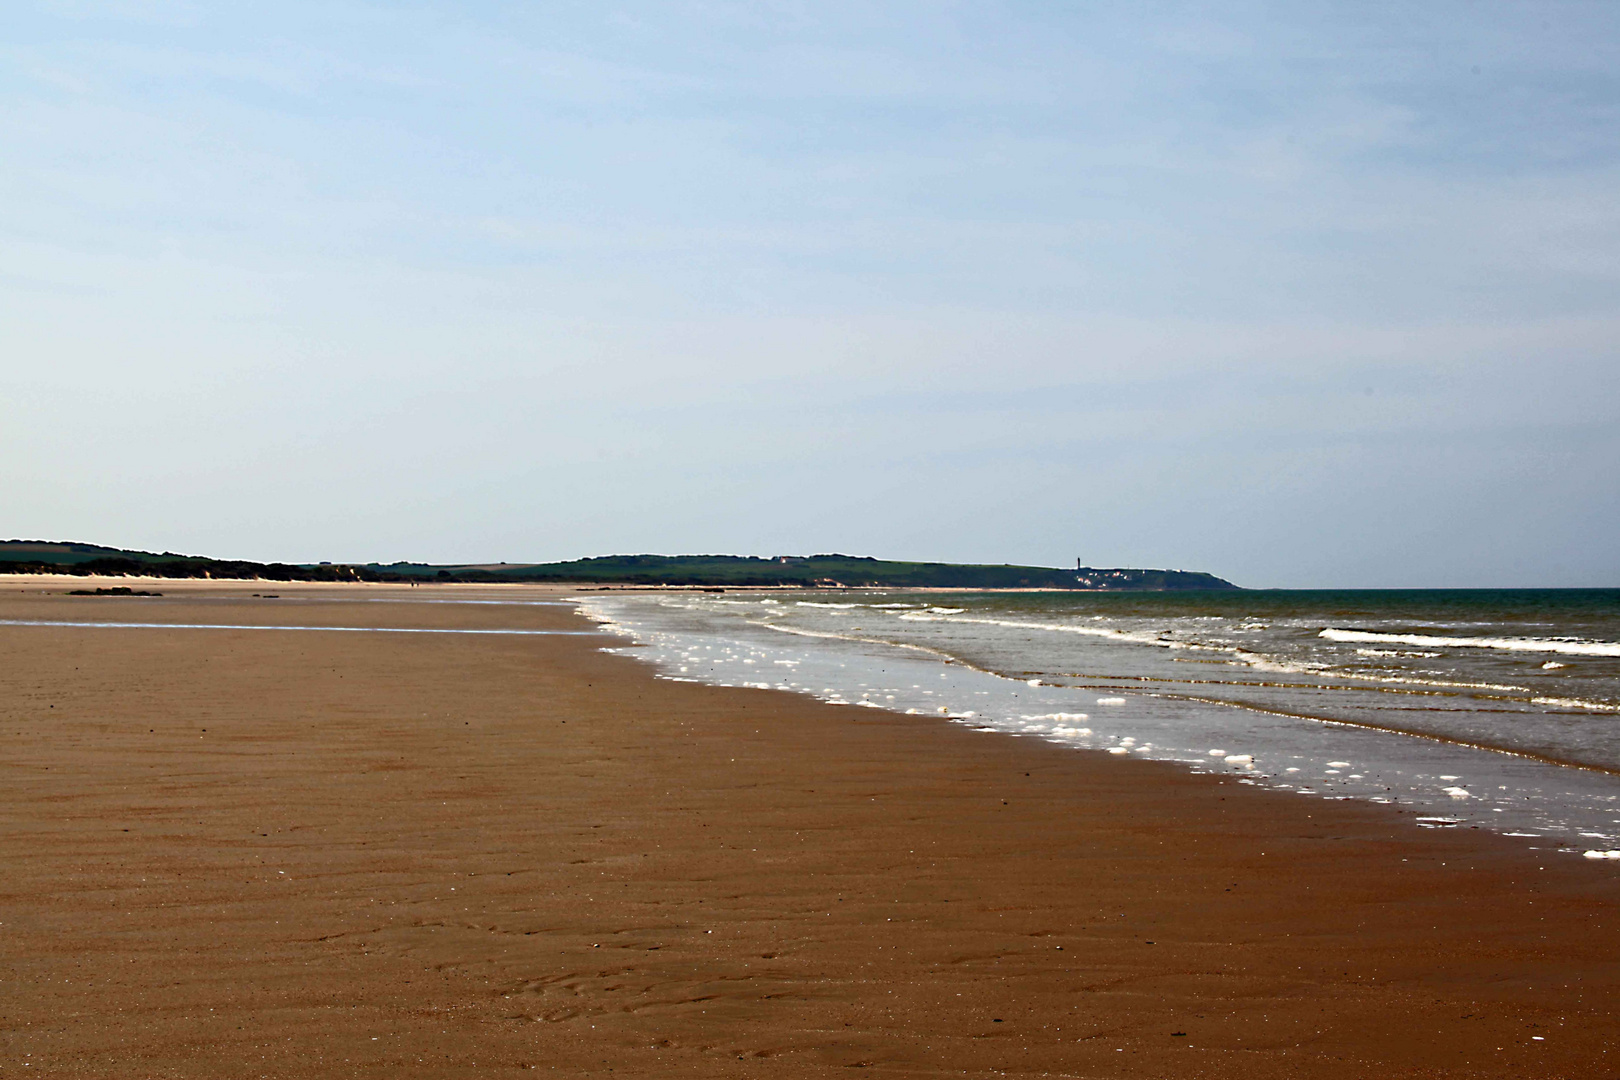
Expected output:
(1494, 709)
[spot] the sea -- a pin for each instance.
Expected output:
(1494, 709)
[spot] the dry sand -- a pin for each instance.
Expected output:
(234, 853)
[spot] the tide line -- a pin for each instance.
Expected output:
(266, 626)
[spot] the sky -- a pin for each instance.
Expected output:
(1301, 294)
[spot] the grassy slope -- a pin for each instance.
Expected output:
(707, 570)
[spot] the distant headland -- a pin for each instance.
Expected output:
(703, 571)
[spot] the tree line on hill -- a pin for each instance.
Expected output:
(736, 571)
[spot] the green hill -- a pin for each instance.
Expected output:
(737, 571)
(51, 557)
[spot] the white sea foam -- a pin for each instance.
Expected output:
(1295, 667)
(1506, 644)
(1407, 655)
(1111, 701)
(1576, 703)
(798, 632)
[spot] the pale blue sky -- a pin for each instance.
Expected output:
(1300, 294)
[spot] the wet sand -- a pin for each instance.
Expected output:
(243, 853)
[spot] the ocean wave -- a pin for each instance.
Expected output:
(1533, 645)
(1255, 661)
(945, 615)
(799, 631)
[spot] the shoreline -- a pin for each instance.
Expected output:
(491, 844)
(563, 590)
(1568, 805)
(596, 586)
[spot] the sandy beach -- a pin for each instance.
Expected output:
(302, 852)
